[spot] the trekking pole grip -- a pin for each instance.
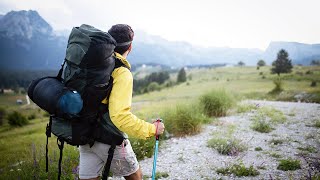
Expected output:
(158, 121)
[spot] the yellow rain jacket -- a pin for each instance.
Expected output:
(120, 104)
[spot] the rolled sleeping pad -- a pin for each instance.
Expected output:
(51, 95)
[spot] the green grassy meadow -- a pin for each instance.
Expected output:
(22, 149)
(243, 82)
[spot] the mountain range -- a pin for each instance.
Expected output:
(27, 41)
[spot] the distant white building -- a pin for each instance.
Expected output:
(19, 101)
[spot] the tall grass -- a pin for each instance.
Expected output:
(184, 119)
(216, 103)
(2, 115)
(17, 119)
(34, 167)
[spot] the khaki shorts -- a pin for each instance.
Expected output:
(92, 160)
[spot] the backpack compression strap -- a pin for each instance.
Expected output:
(48, 134)
(61, 145)
(59, 76)
(106, 170)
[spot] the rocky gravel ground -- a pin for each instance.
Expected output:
(191, 158)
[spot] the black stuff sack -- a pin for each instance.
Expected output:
(51, 95)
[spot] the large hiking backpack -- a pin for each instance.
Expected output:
(77, 115)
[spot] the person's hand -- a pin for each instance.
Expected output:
(160, 126)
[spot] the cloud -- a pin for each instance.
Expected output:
(241, 23)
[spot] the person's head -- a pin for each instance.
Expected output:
(123, 34)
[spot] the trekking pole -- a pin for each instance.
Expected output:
(155, 152)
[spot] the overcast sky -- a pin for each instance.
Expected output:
(231, 23)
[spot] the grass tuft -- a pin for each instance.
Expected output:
(317, 124)
(159, 175)
(308, 149)
(276, 141)
(245, 107)
(289, 165)
(262, 126)
(275, 116)
(275, 155)
(216, 103)
(227, 146)
(238, 170)
(265, 117)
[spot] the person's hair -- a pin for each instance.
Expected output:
(121, 33)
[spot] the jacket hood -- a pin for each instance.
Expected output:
(122, 59)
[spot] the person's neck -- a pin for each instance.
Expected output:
(125, 54)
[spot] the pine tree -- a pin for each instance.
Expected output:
(282, 64)
(182, 77)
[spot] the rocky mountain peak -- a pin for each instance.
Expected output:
(24, 24)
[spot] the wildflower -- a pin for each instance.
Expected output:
(75, 170)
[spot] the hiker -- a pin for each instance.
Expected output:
(124, 162)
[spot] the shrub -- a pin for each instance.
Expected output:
(154, 86)
(258, 149)
(278, 86)
(313, 84)
(169, 83)
(309, 72)
(142, 148)
(262, 126)
(2, 115)
(31, 116)
(17, 119)
(239, 170)
(216, 103)
(184, 119)
(227, 146)
(289, 165)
